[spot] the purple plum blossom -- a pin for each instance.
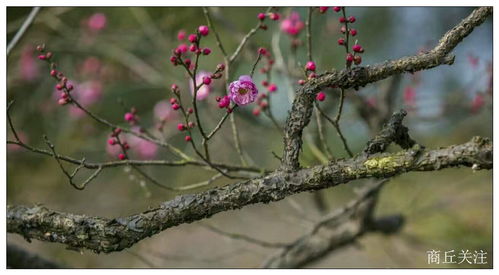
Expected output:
(243, 91)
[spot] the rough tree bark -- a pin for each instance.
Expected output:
(101, 234)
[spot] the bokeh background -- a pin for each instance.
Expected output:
(119, 57)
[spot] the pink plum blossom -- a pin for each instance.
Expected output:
(27, 64)
(205, 90)
(163, 111)
(97, 22)
(292, 24)
(86, 94)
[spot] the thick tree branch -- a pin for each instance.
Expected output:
(108, 235)
(301, 110)
(334, 231)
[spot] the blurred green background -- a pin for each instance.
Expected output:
(122, 60)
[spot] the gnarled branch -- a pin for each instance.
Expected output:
(301, 111)
(108, 235)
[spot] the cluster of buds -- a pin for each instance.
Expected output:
(309, 71)
(269, 61)
(114, 140)
(271, 15)
(131, 117)
(176, 103)
(63, 85)
(263, 104)
(344, 41)
(179, 55)
(224, 102)
(266, 69)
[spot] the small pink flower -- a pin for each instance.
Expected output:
(310, 66)
(477, 103)
(28, 65)
(410, 96)
(14, 147)
(142, 148)
(321, 96)
(205, 90)
(243, 91)
(371, 102)
(182, 48)
(91, 65)
(357, 48)
(224, 102)
(163, 111)
(193, 38)
(473, 60)
(97, 22)
(86, 94)
(206, 51)
(203, 30)
(272, 88)
(181, 35)
(129, 117)
(292, 25)
(206, 80)
(113, 150)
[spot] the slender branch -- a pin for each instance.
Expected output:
(308, 25)
(108, 235)
(237, 141)
(96, 165)
(212, 27)
(338, 130)
(320, 128)
(255, 64)
(219, 125)
(245, 238)
(246, 39)
(72, 175)
(24, 27)
(14, 132)
(170, 147)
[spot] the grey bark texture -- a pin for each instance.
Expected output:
(108, 235)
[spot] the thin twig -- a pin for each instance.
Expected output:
(308, 24)
(336, 125)
(96, 165)
(219, 125)
(255, 64)
(241, 237)
(71, 176)
(212, 27)
(170, 147)
(320, 128)
(245, 39)
(23, 29)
